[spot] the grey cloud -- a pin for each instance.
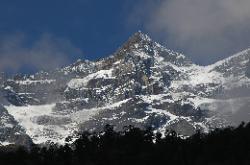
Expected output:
(45, 53)
(236, 109)
(201, 28)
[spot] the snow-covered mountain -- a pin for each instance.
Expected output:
(142, 84)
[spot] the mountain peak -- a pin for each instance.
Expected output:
(140, 36)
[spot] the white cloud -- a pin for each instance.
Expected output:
(46, 53)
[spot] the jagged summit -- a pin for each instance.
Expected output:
(141, 36)
(136, 40)
(140, 46)
(242, 54)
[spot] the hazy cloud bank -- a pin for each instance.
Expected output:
(201, 28)
(44, 53)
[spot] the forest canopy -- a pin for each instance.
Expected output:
(136, 146)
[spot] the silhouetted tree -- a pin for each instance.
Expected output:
(136, 146)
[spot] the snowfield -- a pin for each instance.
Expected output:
(41, 133)
(28, 118)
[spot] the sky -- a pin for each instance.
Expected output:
(46, 34)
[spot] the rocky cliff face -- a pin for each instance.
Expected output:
(142, 84)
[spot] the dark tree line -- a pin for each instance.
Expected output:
(229, 146)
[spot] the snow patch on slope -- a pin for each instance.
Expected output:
(40, 133)
(82, 82)
(29, 82)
